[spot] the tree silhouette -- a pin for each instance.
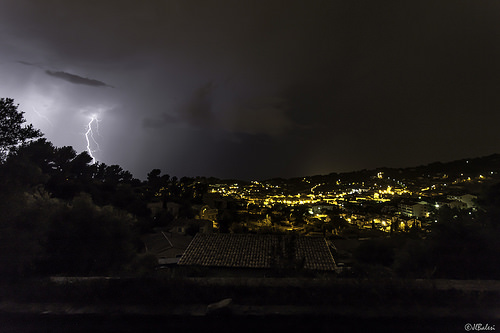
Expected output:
(12, 130)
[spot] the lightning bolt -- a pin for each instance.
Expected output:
(89, 137)
(42, 116)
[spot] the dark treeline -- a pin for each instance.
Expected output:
(62, 214)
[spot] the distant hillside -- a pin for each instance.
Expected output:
(466, 167)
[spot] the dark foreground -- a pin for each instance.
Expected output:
(277, 305)
(276, 323)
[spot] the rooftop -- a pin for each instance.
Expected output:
(254, 251)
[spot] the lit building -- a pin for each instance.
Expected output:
(468, 199)
(417, 209)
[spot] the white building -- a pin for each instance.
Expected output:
(417, 209)
(468, 199)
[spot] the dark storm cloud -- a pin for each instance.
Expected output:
(256, 88)
(206, 109)
(198, 112)
(262, 116)
(159, 122)
(72, 78)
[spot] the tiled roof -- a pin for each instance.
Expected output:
(253, 251)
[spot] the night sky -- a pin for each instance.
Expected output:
(256, 90)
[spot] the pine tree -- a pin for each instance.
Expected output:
(12, 130)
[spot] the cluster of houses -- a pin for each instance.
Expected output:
(421, 209)
(192, 243)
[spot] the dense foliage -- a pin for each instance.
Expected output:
(63, 214)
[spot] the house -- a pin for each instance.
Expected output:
(414, 209)
(158, 206)
(167, 247)
(451, 203)
(320, 209)
(215, 200)
(173, 208)
(155, 207)
(469, 200)
(191, 226)
(205, 212)
(255, 253)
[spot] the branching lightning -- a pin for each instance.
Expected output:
(89, 137)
